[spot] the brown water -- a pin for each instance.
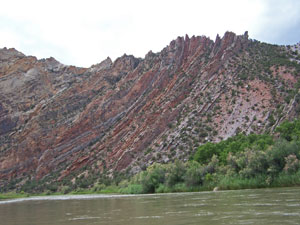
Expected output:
(264, 206)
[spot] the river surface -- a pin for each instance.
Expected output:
(262, 206)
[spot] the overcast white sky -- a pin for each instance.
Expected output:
(83, 33)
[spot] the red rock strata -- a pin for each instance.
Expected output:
(131, 112)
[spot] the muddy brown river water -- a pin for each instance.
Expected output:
(260, 206)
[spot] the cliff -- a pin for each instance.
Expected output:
(58, 121)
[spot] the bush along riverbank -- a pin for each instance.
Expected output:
(242, 161)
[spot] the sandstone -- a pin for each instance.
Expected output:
(58, 119)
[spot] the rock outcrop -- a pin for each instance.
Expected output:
(56, 120)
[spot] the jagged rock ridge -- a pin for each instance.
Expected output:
(59, 121)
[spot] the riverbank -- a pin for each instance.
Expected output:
(225, 184)
(16, 195)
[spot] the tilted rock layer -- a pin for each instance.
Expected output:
(126, 114)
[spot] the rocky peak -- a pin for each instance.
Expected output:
(126, 63)
(52, 64)
(217, 44)
(6, 54)
(149, 55)
(104, 65)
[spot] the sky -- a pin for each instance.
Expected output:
(83, 33)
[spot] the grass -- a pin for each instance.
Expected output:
(234, 183)
(284, 180)
(12, 195)
(15, 195)
(225, 184)
(261, 181)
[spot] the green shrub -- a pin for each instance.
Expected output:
(289, 130)
(98, 187)
(65, 189)
(132, 189)
(277, 154)
(175, 173)
(250, 163)
(152, 178)
(292, 164)
(193, 176)
(205, 152)
(162, 189)
(234, 145)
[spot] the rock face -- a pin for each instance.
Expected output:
(126, 114)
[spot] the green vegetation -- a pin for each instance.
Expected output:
(235, 144)
(243, 161)
(11, 195)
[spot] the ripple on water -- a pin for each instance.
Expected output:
(290, 200)
(148, 217)
(293, 205)
(85, 218)
(204, 213)
(146, 202)
(247, 222)
(291, 214)
(116, 210)
(255, 204)
(177, 212)
(285, 213)
(203, 199)
(196, 204)
(65, 197)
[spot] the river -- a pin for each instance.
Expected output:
(259, 206)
